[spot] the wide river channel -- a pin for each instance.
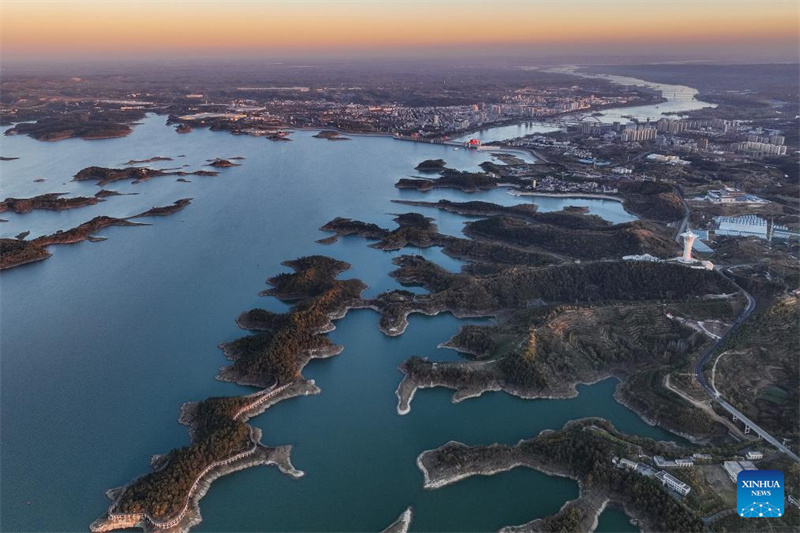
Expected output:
(103, 342)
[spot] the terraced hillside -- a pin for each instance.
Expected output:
(758, 373)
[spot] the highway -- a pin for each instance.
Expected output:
(701, 378)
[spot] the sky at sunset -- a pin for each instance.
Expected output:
(765, 30)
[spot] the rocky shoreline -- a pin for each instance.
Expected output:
(402, 523)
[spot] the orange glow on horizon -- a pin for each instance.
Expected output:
(104, 28)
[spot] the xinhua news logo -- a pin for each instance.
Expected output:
(759, 493)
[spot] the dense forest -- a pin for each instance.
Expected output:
(51, 201)
(651, 199)
(573, 238)
(417, 230)
(584, 449)
(288, 339)
(588, 456)
(14, 252)
(275, 355)
(519, 287)
(431, 165)
(475, 207)
(451, 179)
(413, 229)
(163, 493)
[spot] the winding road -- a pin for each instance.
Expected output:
(701, 378)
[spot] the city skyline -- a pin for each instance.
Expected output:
(711, 30)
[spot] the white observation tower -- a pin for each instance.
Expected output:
(688, 242)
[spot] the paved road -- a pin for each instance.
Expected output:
(701, 378)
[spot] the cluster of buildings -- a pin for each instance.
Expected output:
(426, 121)
(751, 226)
(732, 468)
(759, 149)
(730, 195)
(638, 133)
(666, 479)
(551, 184)
(542, 103)
(650, 130)
(712, 125)
(334, 108)
(691, 135)
(685, 462)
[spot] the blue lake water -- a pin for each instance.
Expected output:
(101, 343)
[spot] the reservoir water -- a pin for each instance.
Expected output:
(102, 342)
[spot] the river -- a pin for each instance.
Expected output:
(679, 100)
(102, 342)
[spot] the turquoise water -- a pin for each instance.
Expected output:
(614, 520)
(102, 342)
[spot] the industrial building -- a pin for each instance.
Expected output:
(677, 463)
(752, 226)
(732, 468)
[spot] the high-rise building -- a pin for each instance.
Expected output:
(588, 128)
(639, 133)
(760, 149)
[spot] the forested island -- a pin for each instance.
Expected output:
(431, 165)
(331, 135)
(221, 440)
(51, 202)
(178, 205)
(452, 179)
(221, 443)
(104, 125)
(287, 341)
(17, 252)
(104, 175)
